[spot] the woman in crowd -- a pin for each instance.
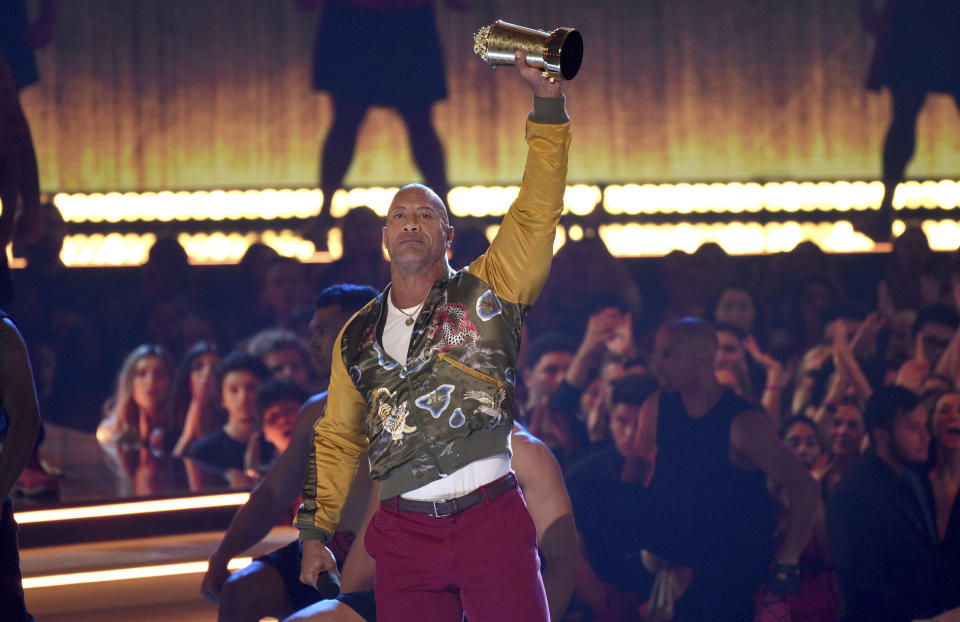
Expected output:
(190, 388)
(945, 473)
(818, 599)
(846, 433)
(137, 413)
(737, 305)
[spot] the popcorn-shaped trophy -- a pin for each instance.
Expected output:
(558, 53)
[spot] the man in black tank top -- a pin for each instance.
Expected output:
(704, 454)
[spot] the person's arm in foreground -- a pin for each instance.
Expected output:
(20, 403)
(752, 436)
(549, 504)
(339, 439)
(259, 514)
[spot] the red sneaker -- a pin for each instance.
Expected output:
(34, 482)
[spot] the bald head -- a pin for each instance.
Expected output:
(417, 194)
(685, 353)
(692, 333)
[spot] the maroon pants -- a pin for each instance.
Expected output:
(482, 562)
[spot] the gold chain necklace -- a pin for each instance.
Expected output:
(412, 316)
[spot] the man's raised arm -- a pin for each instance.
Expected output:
(518, 262)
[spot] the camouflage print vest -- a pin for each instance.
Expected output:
(452, 401)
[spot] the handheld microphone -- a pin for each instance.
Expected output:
(328, 584)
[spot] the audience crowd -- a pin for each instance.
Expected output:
(854, 359)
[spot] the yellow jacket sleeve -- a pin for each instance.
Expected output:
(339, 440)
(518, 261)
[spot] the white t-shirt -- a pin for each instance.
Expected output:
(396, 342)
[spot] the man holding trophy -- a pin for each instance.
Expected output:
(423, 380)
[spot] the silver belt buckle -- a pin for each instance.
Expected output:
(436, 511)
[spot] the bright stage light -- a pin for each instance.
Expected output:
(134, 507)
(125, 574)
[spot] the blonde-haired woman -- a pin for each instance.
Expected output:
(137, 413)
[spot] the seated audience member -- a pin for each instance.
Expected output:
(846, 434)
(818, 597)
(612, 581)
(547, 360)
(737, 305)
(903, 279)
(936, 350)
(573, 290)
(137, 412)
(802, 437)
(802, 325)
(945, 472)
(881, 521)
(362, 258)
(191, 385)
(742, 365)
(284, 290)
(233, 391)
(269, 585)
(283, 353)
(332, 308)
(278, 402)
(540, 480)
(583, 392)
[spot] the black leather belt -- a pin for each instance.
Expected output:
(450, 507)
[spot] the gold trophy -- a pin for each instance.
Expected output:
(558, 53)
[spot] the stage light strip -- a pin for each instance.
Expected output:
(775, 197)
(133, 507)
(492, 201)
(113, 207)
(642, 240)
(623, 240)
(125, 574)
(216, 248)
(271, 204)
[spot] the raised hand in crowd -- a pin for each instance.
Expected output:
(949, 364)
(844, 360)
(773, 387)
(608, 330)
(912, 374)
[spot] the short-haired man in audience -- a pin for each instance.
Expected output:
(610, 514)
(270, 586)
(547, 358)
(278, 403)
(881, 521)
(933, 328)
(707, 454)
(283, 353)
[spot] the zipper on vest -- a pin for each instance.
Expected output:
(476, 374)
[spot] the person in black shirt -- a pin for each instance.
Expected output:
(610, 514)
(881, 521)
(705, 454)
